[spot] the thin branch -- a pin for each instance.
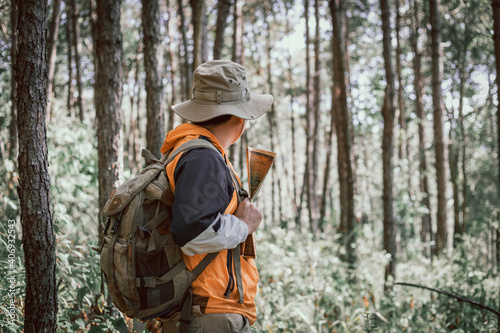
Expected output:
(459, 298)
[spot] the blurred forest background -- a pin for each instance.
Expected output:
(384, 121)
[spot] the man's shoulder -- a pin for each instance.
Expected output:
(200, 160)
(201, 154)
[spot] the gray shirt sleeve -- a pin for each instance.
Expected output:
(231, 232)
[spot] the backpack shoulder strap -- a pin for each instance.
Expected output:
(191, 144)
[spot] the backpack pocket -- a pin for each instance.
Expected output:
(150, 266)
(119, 264)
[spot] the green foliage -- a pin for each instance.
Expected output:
(73, 169)
(304, 287)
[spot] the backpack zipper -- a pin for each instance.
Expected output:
(230, 284)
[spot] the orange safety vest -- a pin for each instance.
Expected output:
(209, 287)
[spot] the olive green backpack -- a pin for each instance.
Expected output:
(143, 267)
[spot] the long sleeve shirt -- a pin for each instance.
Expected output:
(203, 191)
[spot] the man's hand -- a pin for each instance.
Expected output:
(250, 214)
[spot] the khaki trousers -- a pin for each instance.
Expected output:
(209, 323)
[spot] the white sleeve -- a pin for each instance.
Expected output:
(232, 231)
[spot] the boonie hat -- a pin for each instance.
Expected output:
(220, 88)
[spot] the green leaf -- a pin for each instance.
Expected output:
(120, 325)
(80, 323)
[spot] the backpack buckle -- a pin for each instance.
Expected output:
(243, 193)
(145, 233)
(118, 220)
(108, 222)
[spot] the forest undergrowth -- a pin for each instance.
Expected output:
(304, 285)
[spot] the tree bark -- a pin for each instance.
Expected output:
(326, 174)
(13, 142)
(108, 98)
(401, 102)
(51, 58)
(426, 229)
(154, 108)
(437, 75)
(93, 30)
(340, 118)
(294, 198)
(198, 8)
(463, 143)
(388, 113)
(133, 137)
(237, 52)
(69, 39)
(496, 38)
(453, 162)
(204, 37)
(170, 59)
(77, 46)
(238, 32)
(187, 65)
(223, 8)
(309, 173)
(273, 129)
(316, 223)
(34, 183)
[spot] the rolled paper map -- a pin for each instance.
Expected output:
(259, 163)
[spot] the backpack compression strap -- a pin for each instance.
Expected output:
(185, 319)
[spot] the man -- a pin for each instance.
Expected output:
(209, 215)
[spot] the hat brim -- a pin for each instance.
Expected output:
(199, 110)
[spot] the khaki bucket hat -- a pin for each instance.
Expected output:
(221, 88)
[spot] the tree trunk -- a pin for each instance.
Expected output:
(453, 156)
(294, 196)
(496, 38)
(34, 183)
(418, 82)
(198, 8)
(242, 155)
(341, 116)
(187, 65)
(238, 32)
(154, 109)
(401, 102)
(108, 99)
(437, 74)
(77, 47)
(170, 56)
(204, 37)
(388, 113)
(326, 174)
(271, 116)
(133, 137)
(69, 39)
(401, 138)
(223, 7)
(316, 223)
(93, 15)
(309, 174)
(51, 51)
(498, 250)
(237, 52)
(345, 45)
(463, 143)
(13, 142)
